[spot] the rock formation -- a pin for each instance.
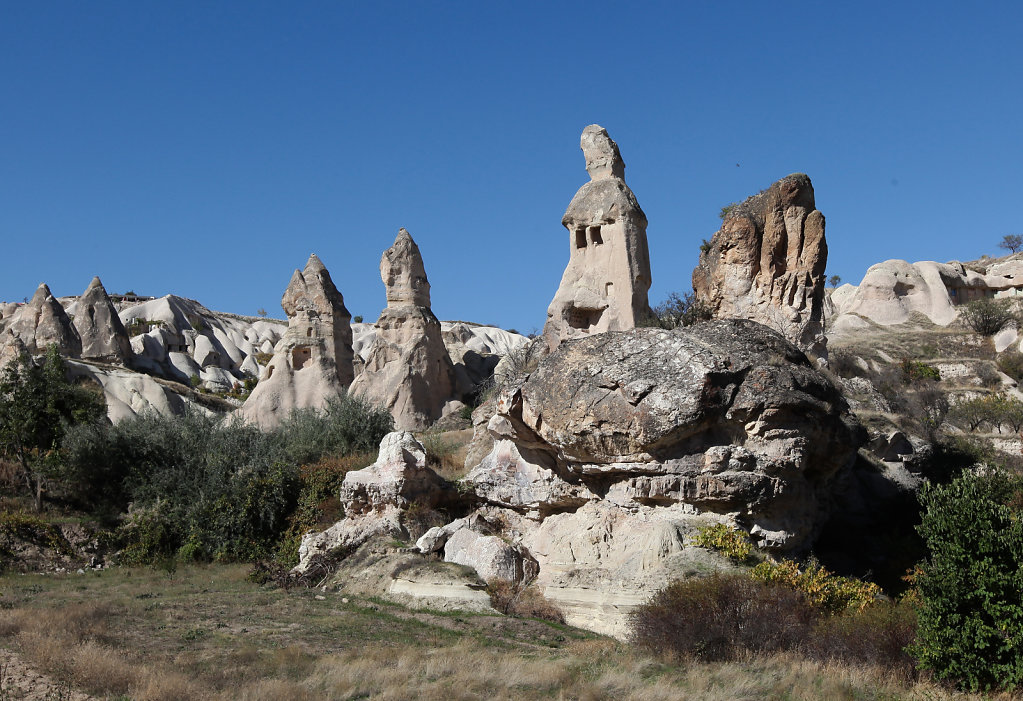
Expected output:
(605, 285)
(407, 368)
(313, 360)
(103, 335)
(891, 291)
(767, 263)
(373, 497)
(36, 325)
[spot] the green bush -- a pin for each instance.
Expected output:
(971, 585)
(917, 371)
(210, 488)
(988, 316)
(726, 540)
(1011, 363)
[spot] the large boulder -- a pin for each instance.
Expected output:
(604, 287)
(312, 363)
(725, 417)
(767, 263)
(407, 368)
(103, 335)
(34, 326)
(374, 497)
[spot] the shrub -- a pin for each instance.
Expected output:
(971, 585)
(1011, 363)
(828, 592)
(677, 311)
(988, 316)
(878, 635)
(347, 425)
(722, 617)
(518, 599)
(726, 540)
(917, 371)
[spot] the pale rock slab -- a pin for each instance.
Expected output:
(605, 285)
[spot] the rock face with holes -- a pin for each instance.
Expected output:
(605, 285)
(407, 369)
(312, 362)
(767, 263)
(104, 337)
(35, 326)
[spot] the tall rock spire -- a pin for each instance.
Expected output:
(604, 287)
(103, 335)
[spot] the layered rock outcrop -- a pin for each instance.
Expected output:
(604, 287)
(103, 336)
(767, 263)
(40, 323)
(407, 369)
(312, 362)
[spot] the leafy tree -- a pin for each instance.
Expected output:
(834, 281)
(37, 405)
(971, 585)
(988, 316)
(1012, 243)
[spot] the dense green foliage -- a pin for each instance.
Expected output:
(728, 541)
(991, 410)
(988, 316)
(209, 488)
(37, 406)
(971, 585)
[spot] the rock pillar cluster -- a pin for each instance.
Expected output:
(408, 370)
(604, 287)
(767, 264)
(312, 362)
(38, 324)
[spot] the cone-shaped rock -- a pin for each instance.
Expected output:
(767, 263)
(38, 324)
(605, 285)
(408, 370)
(103, 335)
(312, 362)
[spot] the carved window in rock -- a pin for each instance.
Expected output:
(595, 237)
(582, 319)
(309, 332)
(580, 237)
(609, 289)
(300, 357)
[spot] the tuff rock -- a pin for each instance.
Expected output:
(35, 326)
(767, 263)
(312, 363)
(605, 285)
(407, 368)
(103, 336)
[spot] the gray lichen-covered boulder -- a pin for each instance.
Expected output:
(767, 263)
(40, 323)
(605, 285)
(726, 417)
(312, 363)
(407, 368)
(104, 337)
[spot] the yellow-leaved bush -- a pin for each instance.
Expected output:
(830, 592)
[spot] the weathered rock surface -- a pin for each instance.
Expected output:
(407, 369)
(103, 336)
(36, 325)
(604, 287)
(373, 497)
(767, 263)
(891, 291)
(312, 362)
(725, 417)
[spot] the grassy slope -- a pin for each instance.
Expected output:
(206, 632)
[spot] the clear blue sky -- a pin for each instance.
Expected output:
(206, 148)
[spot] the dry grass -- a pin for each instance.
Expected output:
(208, 633)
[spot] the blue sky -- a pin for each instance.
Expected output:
(205, 149)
